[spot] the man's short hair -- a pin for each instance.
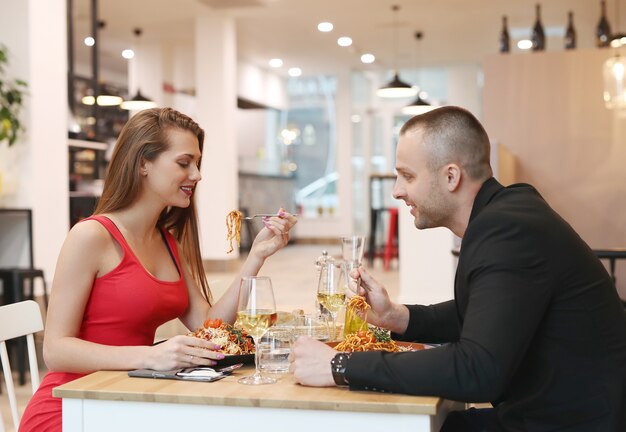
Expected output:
(453, 135)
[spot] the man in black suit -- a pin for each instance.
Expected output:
(536, 326)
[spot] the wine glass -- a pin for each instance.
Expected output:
(256, 313)
(331, 291)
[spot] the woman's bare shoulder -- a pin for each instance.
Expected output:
(89, 234)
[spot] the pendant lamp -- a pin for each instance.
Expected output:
(420, 105)
(139, 101)
(396, 88)
(107, 97)
(614, 71)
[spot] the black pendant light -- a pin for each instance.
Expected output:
(420, 105)
(139, 101)
(396, 88)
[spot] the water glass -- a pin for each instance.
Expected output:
(274, 348)
(312, 325)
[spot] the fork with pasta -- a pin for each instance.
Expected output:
(275, 236)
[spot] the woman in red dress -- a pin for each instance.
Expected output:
(136, 264)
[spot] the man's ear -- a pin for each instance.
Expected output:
(453, 175)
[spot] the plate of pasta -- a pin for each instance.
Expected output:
(374, 339)
(236, 345)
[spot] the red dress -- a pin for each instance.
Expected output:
(125, 308)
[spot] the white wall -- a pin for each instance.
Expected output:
(216, 103)
(547, 108)
(261, 86)
(35, 33)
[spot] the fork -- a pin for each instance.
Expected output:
(259, 215)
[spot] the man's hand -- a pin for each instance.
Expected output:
(310, 362)
(383, 313)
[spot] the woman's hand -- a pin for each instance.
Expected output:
(183, 351)
(275, 234)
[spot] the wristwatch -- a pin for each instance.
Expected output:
(338, 367)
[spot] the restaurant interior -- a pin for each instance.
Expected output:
(294, 98)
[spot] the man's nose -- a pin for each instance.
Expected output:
(398, 191)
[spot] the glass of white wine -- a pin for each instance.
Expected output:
(331, 291)
(255, 314)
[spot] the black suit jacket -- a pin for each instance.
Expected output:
(536, 326)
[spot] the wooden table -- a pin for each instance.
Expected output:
(106, 401)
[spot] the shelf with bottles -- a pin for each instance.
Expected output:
(539, 32)
(87, 166)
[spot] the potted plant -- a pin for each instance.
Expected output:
(11, 99)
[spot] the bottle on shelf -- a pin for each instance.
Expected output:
(538, 37)
(603, 29)
(570, 32)
(505, 40)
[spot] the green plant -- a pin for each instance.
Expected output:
(11, 100)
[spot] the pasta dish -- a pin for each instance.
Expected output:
(233, 341)
(376, 340)
(233, 228)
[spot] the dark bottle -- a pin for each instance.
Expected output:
(603, 29)
(505, 40)
(570, 33)
(538, 37)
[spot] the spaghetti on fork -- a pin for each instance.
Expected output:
(233, 228)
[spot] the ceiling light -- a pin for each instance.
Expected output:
(89, 41)
(614, 82)
(325, 27)
(525, 44)
(276, 62)
(368, 58)
(618, 40)
(418, 106)
(614, 72)
(138, 102)
(295, 72)
(344, 41)
(128, 54)
(355, 118)
(103, 100)
(396, 88)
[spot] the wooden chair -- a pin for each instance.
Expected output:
(17, 320)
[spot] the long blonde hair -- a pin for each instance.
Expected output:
(144, 138)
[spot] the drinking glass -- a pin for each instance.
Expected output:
(274, 349)
(352, 249)
(256, 313)
(331, 291)
(312, 325)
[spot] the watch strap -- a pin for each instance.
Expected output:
(338, 367)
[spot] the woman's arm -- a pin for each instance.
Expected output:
(88, 253)
(273, 237)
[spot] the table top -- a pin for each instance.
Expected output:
(118, 386)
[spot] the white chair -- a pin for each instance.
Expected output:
(17, 320)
